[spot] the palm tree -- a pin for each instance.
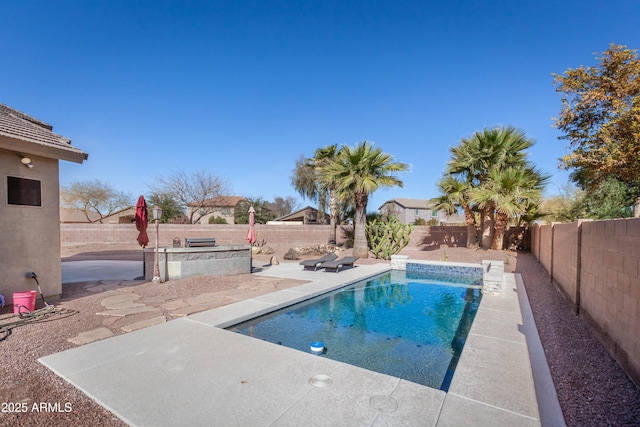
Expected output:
(513, 191)
(357, 172)
(473, 159)
(454, 194)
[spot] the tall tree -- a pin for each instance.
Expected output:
(600, 117)
(357, 172)
(474, 157)
(94, 196)
(193, 189)
(172, 212)
(262, 215)
(307, 180)
(514, 191)
(322, 157)
(454, 194)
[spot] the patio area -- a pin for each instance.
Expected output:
(190, 371)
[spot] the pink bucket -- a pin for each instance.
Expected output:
(23, 301)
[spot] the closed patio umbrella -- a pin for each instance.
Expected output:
(251, 235)
(142, 220)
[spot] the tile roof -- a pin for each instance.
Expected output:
(18, 125)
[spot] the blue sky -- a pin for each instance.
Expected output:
(243, 88)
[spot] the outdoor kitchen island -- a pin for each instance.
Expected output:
(181, 262)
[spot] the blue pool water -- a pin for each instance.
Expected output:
(411, 326)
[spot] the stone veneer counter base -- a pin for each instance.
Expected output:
(178, 263)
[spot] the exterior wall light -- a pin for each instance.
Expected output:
(27, 162)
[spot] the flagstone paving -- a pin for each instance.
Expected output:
(144, 323)
(128, 311)
(91, 336)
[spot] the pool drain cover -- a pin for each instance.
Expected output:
(383, 403)
(320, 380)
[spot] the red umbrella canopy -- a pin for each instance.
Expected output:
(142, 220)
(251, 235)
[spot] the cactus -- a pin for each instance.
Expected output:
(388, 237)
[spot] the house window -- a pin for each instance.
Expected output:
(417, 212)
(434, 214)
(226, 211)
(22, 191)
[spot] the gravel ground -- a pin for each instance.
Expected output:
(592, 389)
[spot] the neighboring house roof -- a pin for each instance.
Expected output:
(410, 203)
(221, 201)
(299, 215)
(127, 214)
(19, 128)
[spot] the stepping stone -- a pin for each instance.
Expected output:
(122, 312)
(91, 336)
(202, 298)
(116, 299)
(174, 305)
(125, 304)
(121, 322)
(144, 323)
(110, 321)
(118, 291)
(157, 299)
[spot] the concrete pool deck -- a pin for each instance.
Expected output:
(189, 371)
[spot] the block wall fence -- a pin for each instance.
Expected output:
(279, 237)
(596, 266)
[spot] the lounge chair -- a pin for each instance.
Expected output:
(336, 264)
(313, 264)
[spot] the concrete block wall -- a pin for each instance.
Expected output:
(423, 235)
(545, 247)
(596, 264)
(566, 260)
(278, 237)
(610, 287)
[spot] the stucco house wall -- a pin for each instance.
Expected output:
(30, 235)
(409, 210)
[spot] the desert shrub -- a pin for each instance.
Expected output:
(217, 220)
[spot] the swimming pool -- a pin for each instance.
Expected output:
(409, 325)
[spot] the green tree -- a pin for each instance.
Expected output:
(94, 196)
(513, 192)
(472, 161)
(609, 199)
(172, 212)
(357, 172)
(322, 157)
(600, 117)
(261, 207)
(455, 194)
(307, 181)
